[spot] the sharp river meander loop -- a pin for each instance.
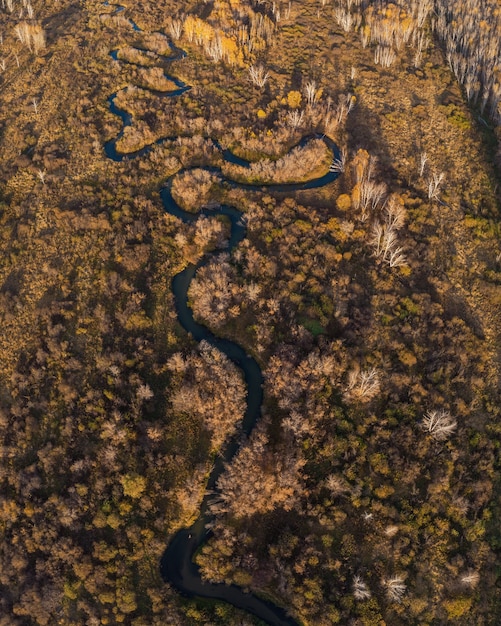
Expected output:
(177, 567)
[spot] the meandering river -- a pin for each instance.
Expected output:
(177, 566)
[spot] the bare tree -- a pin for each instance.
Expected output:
(31, 35)
(421, 43)
(439, 424)
(423, 160)
(371, 195)
(363, 385)
(394, 213)
(421, 10)
(384, 240)
(214, 48)
(258, 75)
(470, 35)
(395, 588)
(360, 589)
(276, 13)
(396, 257)
(344, 18)
(384, 55)
(295, 118)
(311, 93)
(470, 579)
(176, 28)
(434, 184)
(339, 165)
(391, 530)
(22, 33)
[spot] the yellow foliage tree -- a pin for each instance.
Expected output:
(457, 607)
(133, 485)
(294, 99)
(343, 202)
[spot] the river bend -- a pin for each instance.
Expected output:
(177, 566)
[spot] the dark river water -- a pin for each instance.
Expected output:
(177, 567)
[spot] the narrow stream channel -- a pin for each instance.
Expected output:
(177, 567)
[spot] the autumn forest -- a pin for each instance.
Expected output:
(250, 303)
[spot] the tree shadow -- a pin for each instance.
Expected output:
(363, 129)
(58, 25)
